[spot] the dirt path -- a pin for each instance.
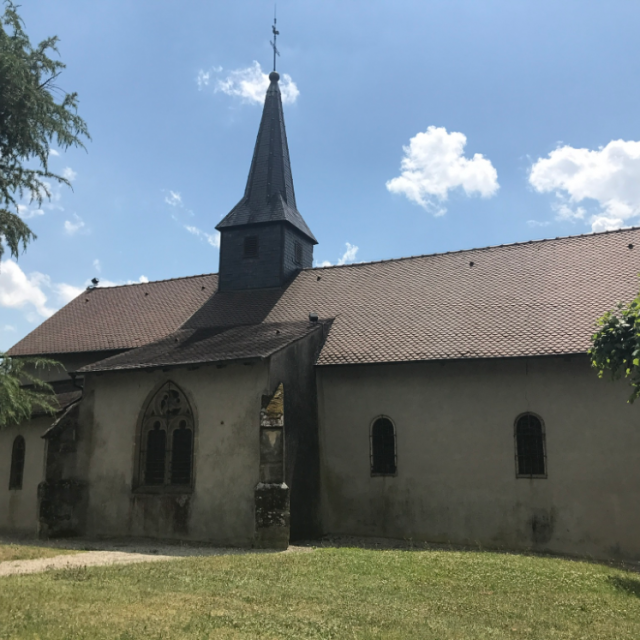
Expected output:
(95, 554)
(89, 559)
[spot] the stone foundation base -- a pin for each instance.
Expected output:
(272, 516)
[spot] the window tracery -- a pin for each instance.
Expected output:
(166, 453)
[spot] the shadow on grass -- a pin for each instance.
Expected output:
(628, 585)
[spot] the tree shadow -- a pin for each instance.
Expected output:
(628, 585)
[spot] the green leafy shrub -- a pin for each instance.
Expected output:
(616, 345)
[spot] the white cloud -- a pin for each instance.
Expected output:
(118, 283)
(51, 194)
(348, 256)
(73, 227)
(97, 266)
(608, 179)
(202, 79)
(9, 327)
(29, 208)
(65, 292)
(212, 238)
(18, 290)
(250, 84)
(29, 211)
(434, 164)
(174, 199)
(566, 212)
(53, 152)
(52, 201)
(69, 174)
(32, 292)
(538, 223)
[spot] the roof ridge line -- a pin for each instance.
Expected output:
(487, 248)
(133, 284)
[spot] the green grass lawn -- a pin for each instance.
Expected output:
(27, 552)
(328, 593)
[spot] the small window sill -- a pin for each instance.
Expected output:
(531, 477)
(164, 489)
(384, 475)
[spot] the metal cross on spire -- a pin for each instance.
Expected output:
(276, 33)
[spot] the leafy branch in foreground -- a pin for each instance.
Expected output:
(30, 120)
(21, 391)
(616, 345)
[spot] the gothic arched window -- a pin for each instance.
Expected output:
(383, 447)
(17, 463)
(166, 439)
(530, 446)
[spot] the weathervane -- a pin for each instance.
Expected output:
(276, 33)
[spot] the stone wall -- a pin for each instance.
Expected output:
(272, 493)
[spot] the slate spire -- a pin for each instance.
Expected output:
(269, 195)
(264, 241)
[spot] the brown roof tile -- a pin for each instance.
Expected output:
(534, 298)
(214, 344)
(123, 317)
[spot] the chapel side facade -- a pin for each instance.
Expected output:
(456, 474)
(455, 459)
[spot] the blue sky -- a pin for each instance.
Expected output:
(416, 127)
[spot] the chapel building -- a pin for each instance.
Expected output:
(442, 398)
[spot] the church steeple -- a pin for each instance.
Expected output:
(264, 239)
(269, 195)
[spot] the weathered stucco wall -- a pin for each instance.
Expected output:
(226, 402)
(19, 507)
(456, 478)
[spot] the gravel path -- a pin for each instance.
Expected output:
(89, 559)
(96, 554)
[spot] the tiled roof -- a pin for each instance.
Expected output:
(111, 318)
(269, 195)
(217, 344)
(66, 393)
(527, 299)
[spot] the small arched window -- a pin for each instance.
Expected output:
(530, 447)
(166, 451)
(383, 447)
(17, 463)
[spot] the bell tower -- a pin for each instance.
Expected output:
(264, 241)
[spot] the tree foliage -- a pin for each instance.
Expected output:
(616, 345)
(22, 391)
(33, 113)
